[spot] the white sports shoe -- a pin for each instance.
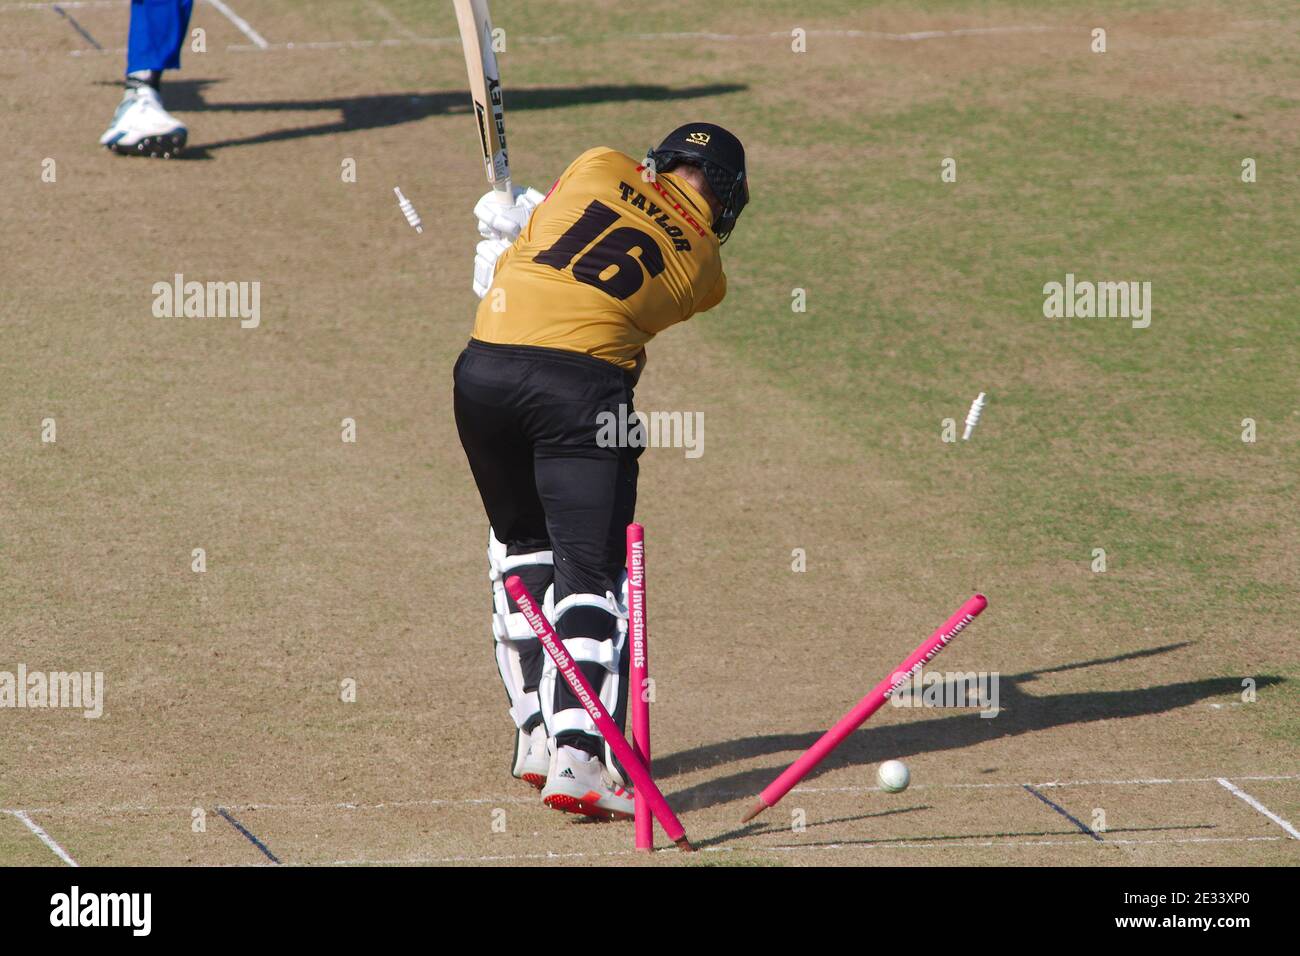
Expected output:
(576, 784)
(141, 127)
(531, 759)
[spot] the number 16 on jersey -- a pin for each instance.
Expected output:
(485, 91)
(614, 249)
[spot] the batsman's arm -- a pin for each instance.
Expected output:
(505, 222)
(488, 258)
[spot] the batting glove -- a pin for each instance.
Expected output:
(498, 221)
(486, 255)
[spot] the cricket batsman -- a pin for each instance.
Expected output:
(573, 285)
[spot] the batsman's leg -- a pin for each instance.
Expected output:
(587, 495)
(501, 459)
(519, 655)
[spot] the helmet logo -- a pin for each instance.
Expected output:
(701, 139)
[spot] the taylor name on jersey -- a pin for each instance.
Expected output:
(606, 262)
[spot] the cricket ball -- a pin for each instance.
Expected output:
(893, 776)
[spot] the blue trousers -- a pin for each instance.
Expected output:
(158, 29)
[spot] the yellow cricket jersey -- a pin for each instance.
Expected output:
(605, 263)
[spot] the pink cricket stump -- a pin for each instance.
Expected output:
(640, 670)
(574, 677)
(850, 722)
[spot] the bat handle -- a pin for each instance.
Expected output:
(505, 193)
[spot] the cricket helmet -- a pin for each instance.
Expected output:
(722, 158)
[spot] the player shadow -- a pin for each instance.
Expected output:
(1021, 713)
(351, 114)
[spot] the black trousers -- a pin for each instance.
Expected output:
(528, 421)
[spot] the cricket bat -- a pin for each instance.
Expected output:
(485, 91)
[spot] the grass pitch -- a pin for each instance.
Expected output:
(330, 562)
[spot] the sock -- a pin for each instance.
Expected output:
(139, 78)
(591, 746)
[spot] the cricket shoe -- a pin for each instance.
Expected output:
(531, 759)
(141, 127)
(576, 784)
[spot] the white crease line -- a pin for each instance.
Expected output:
(44, 837)
(904, 845)
(497, 801)
(968, 32)
(69, 5)
(1231, 788)
(385, 14)
(1017, 843)
(240, 23)
(1151, 781)
(260, 45)
(697, 35)
(387, 804)
(786, 848)
(854, 34)
(575, 855)
(188, 808)
(342, 44)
